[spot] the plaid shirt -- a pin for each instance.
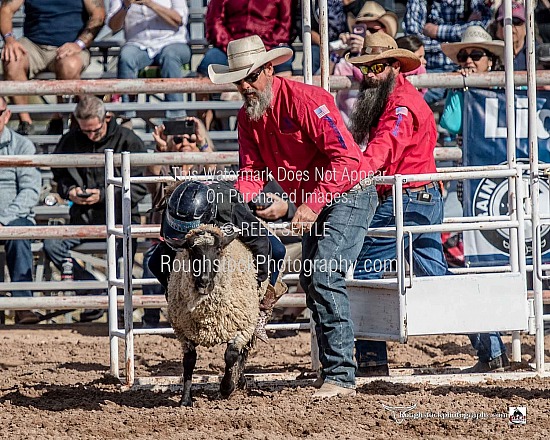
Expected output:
(449, 16)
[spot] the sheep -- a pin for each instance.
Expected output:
(211, 302)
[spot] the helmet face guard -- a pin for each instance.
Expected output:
(190, 205)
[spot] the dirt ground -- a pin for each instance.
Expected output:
(55, 385)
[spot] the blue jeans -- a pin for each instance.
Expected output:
(327, 253)
(278, 252)
(58, 250)
(171, 59)
(19, 258)
(428, 260)
(315, 59)
(218, 56)
(150, 316)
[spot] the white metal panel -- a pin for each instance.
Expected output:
(467, 304)
(439, 305)
(375, 309)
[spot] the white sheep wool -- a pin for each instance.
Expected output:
(228, 313)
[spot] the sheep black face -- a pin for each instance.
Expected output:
(205, 249)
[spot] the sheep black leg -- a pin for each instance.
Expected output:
(231, 376)
(189, 361)
(243, 356)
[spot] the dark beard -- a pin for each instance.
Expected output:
(370, 104)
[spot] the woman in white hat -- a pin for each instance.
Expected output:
(477, 52)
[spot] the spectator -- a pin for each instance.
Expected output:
(227, 20)
(337, 25)
(156, 33)
(446, 21)
(542, 17)
(416, 46)
(20, 188)
(85, 187)
(56, 37)
(476, 53)
(400, 133)
(290, 127)
(371, 18)
(519, 32)
(179, 142)
(544, 56)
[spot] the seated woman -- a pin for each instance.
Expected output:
(477, 52)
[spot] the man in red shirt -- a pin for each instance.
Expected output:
(398, 129)
(294, 133)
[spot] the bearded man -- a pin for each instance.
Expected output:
(392, 119)
(294, 132)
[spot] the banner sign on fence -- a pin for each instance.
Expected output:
(484, 143)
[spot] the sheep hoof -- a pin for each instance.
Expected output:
(186, 402)
(231, 376)
(242, 385)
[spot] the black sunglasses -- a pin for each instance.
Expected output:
(94, 131)
(374, 68)
(250, 79)
(178, 139)
(515, 21)
(476, 54)
(2, 111)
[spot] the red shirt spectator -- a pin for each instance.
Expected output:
(228, 20)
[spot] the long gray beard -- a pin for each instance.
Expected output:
(256, 107)
(369, 107)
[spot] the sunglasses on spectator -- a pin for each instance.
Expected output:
(2, 111)
(515, 21)
(374, 68)
(178, 139)
(252, 78)
(476, 54)
(94, 131)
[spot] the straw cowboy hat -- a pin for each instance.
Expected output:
(244, 56)
(381, 46)
(474, 36)
(372, 11)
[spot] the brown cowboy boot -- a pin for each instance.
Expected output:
(271, 296)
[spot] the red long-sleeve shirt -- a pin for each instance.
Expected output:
(304, 144)
(228, 20)
(403, 142)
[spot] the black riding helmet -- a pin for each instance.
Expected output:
(191, 204)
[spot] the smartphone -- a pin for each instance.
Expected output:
(84, 195)
(179, 127)
(360, 29)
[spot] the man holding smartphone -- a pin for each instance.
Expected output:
(85, 187)
(188, 135)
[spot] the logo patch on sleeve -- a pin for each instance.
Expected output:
(321, 111)
(402, 111)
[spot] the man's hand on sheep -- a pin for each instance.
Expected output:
(303, 219)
